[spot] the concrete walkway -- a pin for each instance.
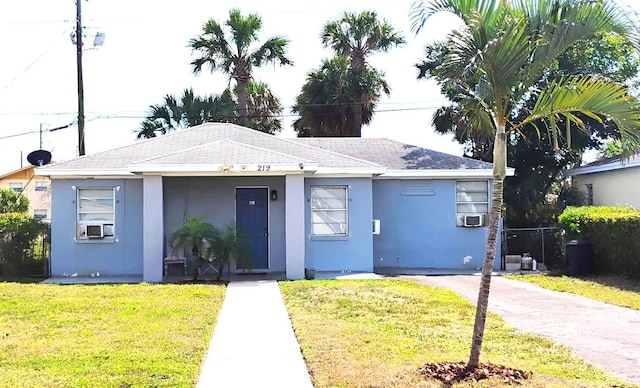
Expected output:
(253, 344)
(603, 334)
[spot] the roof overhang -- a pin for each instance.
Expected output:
(615, 165)
(238, 169)
(441, 174)
(83, 172)
(350, 171)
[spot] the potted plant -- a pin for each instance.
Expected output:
(194, 234)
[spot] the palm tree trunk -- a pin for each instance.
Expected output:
(242, 101)
(357, 114)
(499, 172)
(196, 262)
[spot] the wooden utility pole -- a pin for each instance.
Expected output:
(80, 82)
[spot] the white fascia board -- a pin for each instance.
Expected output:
(441, 174)
(350, 171)
(223, 169)
(75, 173)
(617, 165)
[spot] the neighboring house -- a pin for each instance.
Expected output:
(306, 202)
(34, 187)
(611, 181)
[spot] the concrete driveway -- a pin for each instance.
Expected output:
(603, 334)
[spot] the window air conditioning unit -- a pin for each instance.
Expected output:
(473, 220)
(95, 231)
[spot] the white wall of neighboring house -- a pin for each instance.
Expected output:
(614, 187)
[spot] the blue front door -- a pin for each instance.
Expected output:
(252, 217)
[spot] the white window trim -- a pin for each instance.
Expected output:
(41, 186)
(108, 226)
(14, 186)
(460, 215)
(345, 210)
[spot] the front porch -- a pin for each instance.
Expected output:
(168, 200)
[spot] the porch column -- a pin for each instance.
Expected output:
(294, 226)
(152, 226)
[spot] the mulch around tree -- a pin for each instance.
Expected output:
(455, 372)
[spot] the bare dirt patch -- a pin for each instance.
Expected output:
(455, 372)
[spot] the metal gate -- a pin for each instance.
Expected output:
(546, 245)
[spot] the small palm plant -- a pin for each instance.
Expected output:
(195, 234)
(230, 243)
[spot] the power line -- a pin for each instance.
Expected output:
(5, 87)
(275, 116)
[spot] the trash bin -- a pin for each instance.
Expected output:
(579, 257)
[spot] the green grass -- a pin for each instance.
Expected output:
(140, 335)
(378, 333)
(608, 289)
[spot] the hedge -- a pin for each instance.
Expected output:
(19, 235)
(613, 232)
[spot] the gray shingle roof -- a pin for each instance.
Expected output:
(395, 155)
(220, 152)
(222, 143)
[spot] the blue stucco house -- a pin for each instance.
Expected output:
(335, 204)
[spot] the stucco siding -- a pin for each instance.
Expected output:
(352, 252)
(214, 198)
(121, 255)
(419, 231)
(615, 187)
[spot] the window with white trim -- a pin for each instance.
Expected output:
(589, 188)
(329, 211)
(41, 185)
(40, 213)
(472, 197)
(95, 213)
(16, 186)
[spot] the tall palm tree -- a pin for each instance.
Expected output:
(325, 103)
(497, 56)
(357, 36)
(238, 53)
(264, 107)
(187, 111)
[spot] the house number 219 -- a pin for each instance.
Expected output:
(264, 167)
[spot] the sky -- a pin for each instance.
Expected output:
(145, 56)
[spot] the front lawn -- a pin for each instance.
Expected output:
(378, 333)
(125, 335)
(609, 289)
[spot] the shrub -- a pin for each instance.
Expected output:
(12, 201)
(613, 233)
(19, 235)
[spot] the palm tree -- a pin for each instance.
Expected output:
(357, 37)
(325, 103)
(230, 243)
(194, 234)
(237, 53)
(264, 107)
(187, 111)
(497, 56)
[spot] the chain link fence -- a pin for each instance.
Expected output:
(25, 254)
(546, 245)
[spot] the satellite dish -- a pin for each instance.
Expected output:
(39, 157)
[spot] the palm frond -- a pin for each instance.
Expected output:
(596, 98)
